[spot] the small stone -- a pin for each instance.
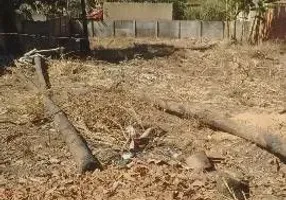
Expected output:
(131, 132)
(198, 183)
(199, 161)
(3, 181)
(127, 155)
(115, 185)
(52, 130)
(232, 187)
(22, 180)
(19, 162)
(147, 134)
(54, 161)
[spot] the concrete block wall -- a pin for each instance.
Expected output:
(190, 29)
(35, 28)
(212, 29)
(124, 28)
(51, 34)
(103, 29)
(163, 29)
(54, 27)
(139, 28)
(169, 29)
(242, 30)
(76, 27)
(146, 28)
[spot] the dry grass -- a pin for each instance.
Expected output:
(33, 107)
(100, 99)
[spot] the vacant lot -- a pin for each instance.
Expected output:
(100, 95)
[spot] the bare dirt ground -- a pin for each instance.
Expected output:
(100, 97)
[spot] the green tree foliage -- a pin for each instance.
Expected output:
(46, 7)
(52, 7)
(207, 10)
(203, 9)
(183, 9)
(180, 8)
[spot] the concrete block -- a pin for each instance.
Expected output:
(146, 28)
(103, 28)
(76, 27)
(53, 42)
(169, 29)
(190, 29)
(59, 27)
(229, 30)
(90, 28)
(35, 28)
(65, 26)
(124, 28)
(44, 42)
(242, 30)
(2, 44)
(213, 29)
(28, 42)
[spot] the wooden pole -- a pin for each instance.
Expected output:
(75, 142)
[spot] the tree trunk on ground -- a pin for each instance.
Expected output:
(75, 142)
(215, 120)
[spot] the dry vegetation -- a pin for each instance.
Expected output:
(100, 97)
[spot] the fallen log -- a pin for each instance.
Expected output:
(42, 73)
(215, 120)
(75, 142)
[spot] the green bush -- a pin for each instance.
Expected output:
(208, 10)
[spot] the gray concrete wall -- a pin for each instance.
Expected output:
(36, 28)
(137, 11)
(146, 28)
(1, 26)
(90, 28)
(76, 27)
(229, 29)
(190, 29)
(55, 27)
(124, 28)
(2, 44)
(169, 29)
(139, 28)
(213, 29)
(103, 29)
(242, 30)
(128, 28)
(59, 27)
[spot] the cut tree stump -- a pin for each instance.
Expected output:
(75, 142)
(215, 120)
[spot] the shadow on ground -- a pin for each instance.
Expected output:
(117, 55)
